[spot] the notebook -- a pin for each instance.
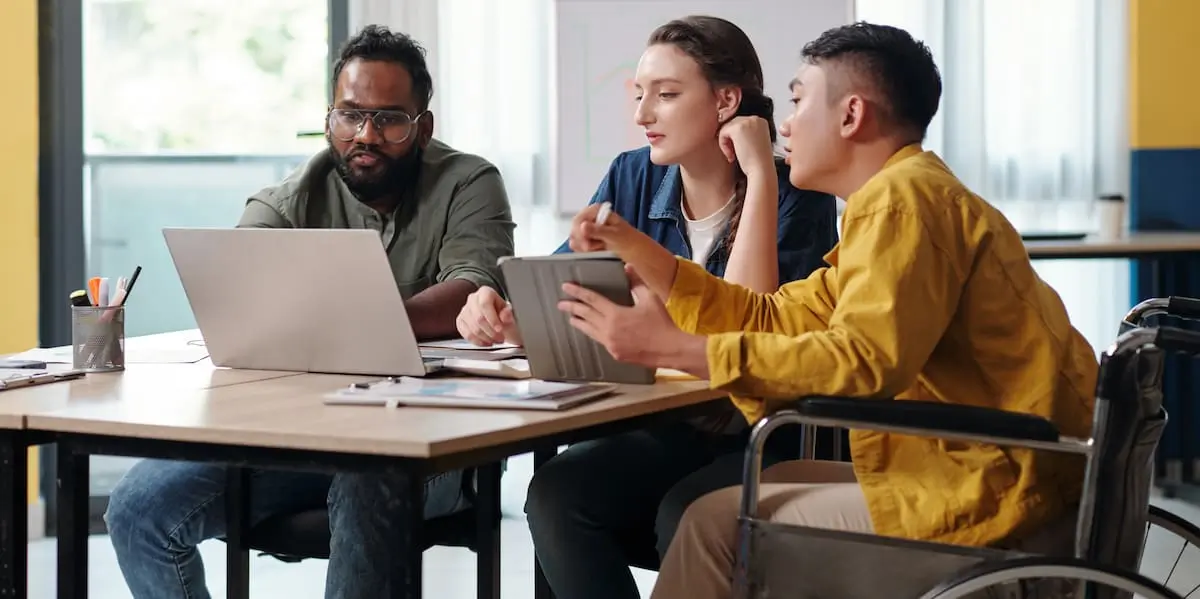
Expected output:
(469, 393)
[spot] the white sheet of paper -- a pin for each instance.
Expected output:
(49, 355)
(463, 344)
(134, 354)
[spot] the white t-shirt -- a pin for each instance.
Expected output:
(702, 234)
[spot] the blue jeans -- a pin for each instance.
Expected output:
(161, 510)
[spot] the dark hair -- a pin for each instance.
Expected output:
(726, 57)
(898, 67)
(377, 42)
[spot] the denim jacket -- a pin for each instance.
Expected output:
(648, 195)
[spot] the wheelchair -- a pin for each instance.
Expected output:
(1182, 308)
(1110, 525)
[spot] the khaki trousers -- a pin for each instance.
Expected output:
(700, 560)
(699, 563)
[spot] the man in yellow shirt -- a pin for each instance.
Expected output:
(930, 295)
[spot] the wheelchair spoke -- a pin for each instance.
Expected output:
(1036, 576)
(1182, 549)
(1187, 533)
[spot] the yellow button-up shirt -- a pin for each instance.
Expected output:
(930, 295)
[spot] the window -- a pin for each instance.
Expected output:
(1032, 118)
(203, 76)
(189, 107)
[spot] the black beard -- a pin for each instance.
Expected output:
(393, 178)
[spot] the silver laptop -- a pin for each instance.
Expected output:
(304, 300)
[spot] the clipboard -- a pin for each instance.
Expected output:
(556, 350)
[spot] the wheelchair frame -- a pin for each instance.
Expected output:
(976, 425)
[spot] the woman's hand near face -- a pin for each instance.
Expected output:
(747, 139)
(754, 257)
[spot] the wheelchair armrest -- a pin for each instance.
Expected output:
(929, 417)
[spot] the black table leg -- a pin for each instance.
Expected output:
(541, 587)
(14, 515)
(487, 526)
(411, 509)
(237, 525)
(72, 523)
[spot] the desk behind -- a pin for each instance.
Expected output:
(1132, 246)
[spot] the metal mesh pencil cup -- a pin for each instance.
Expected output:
(98, 338)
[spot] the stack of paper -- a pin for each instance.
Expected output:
(469, 393)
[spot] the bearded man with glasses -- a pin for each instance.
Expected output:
(445, 220)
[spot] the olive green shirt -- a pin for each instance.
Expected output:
(455, 224)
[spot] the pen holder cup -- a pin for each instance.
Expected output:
(98, 338)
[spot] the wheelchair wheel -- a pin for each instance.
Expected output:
(1045, 577)
(1181, 575)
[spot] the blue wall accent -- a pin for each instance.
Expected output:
(1165, 196)
(1165, 189)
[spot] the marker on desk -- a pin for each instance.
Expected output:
(93, 288)
(121, 294)
(118, 298)
(79, 298)
(105, 292)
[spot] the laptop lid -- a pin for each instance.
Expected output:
(306, 300)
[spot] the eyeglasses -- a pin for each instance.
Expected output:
(394, 126)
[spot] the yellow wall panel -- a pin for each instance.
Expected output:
(1164, 73)
(18, 170)
(33, 477)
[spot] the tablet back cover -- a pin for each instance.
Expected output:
(555, 349)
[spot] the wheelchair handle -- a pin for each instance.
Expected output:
(1114, 359)
(1178, 340)
(1184, 307)
(1178, 306)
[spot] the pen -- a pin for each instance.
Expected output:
(132, 281)
(602, 215)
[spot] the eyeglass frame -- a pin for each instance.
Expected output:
(414, 121)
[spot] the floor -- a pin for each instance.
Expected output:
(450, 573)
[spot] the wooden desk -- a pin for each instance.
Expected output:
(283, 423)
(290, 414)
(138, 380)
(1134, 245)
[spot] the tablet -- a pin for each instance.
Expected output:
(556, 350)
